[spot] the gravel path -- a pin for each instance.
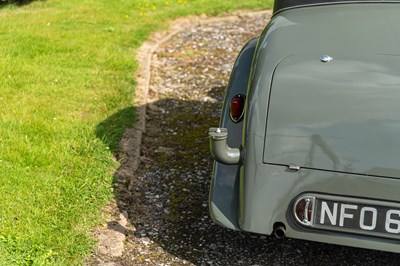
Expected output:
(166, 202)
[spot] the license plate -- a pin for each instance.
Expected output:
(352, 215)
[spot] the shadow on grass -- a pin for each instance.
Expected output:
(166, 199)
(17, 3)
(111, 130)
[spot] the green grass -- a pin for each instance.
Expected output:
(66, 90)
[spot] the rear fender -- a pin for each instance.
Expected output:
(224, 191)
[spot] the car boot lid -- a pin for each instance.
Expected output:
(335, 112)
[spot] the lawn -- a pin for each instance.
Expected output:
(66, 66)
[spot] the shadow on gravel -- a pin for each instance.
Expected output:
(167, 198)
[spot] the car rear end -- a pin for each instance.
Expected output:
(321, 139)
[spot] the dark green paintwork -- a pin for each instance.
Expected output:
(224, 191)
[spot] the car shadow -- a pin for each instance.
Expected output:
(166, 198)
(16, 3)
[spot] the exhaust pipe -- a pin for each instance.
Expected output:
(220, 149)
(280, 232)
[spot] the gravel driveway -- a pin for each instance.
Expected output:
(167, 201)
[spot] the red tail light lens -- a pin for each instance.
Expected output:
(303, 210)
(237, 107)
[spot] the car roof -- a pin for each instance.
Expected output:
(280, 5)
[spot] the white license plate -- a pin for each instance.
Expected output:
(351, 215)
(357, 217)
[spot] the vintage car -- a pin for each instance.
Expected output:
(313, 115)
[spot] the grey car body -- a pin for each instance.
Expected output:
(321, 127)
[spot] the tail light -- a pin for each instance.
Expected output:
(237, 107)
(304, 209)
